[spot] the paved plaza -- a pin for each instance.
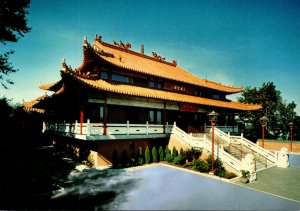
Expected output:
(167, 188)
(283, 182)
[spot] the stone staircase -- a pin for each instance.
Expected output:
(239, 147)
(230, 149)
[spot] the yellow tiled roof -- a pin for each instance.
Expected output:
(147, 65)
(158, 94)
(30, 105)
(50, 86)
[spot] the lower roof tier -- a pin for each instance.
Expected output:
(130, 90)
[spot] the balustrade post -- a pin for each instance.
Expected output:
(76, 126)
(88, 128)
(64, 126)
(167, 127)
(147, 126)
(70, 127)
(127, 127)
(44, 126)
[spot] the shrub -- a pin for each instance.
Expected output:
(169, 157)
(167, 151)
(179, 160)
(90, 160)
(218, 166)
(182, 153)
(147, 155)
(193, 154)
(154, 155)
(200, 165)
(174, 153)
(161, 153)
(140, 157)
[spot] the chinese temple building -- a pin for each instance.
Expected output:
(122, 99)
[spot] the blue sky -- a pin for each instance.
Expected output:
(239, 43)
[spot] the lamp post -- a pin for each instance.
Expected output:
(291, 124)
(263, 121)
(212, 116)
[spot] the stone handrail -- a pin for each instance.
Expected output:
(111, 129)
(245, 142)
(205, 143)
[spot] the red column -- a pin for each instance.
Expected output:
(81, 118)
(104, 116)
(263, 137)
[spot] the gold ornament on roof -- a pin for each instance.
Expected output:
(159, 58)
(126, 46)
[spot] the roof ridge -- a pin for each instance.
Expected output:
(133, 52)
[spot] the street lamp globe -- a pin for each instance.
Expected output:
(213, 116)
(263, 121)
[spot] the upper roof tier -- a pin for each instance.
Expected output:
(121, 56)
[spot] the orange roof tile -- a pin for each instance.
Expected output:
(147, 65)
(158, 94)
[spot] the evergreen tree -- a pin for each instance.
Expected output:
(154, 155)
(161, 153)
(147, 155)
(13, 25)
(174, 152)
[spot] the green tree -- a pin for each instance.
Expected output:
(161, 153)
(147, 155)
(278, 111)
(13, 25)
(174, 152)
(154, 155)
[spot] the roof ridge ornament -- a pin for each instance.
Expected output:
(64, 65)
(126, 46)
(85, 42)
(158, 57)
(98, 38)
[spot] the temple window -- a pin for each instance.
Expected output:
(101, 113)
(151, 116)
(159, 85)
(158, 117)
(104, 75)
(120, 78)
(215, 96)
(140, 81)
(151, 84)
